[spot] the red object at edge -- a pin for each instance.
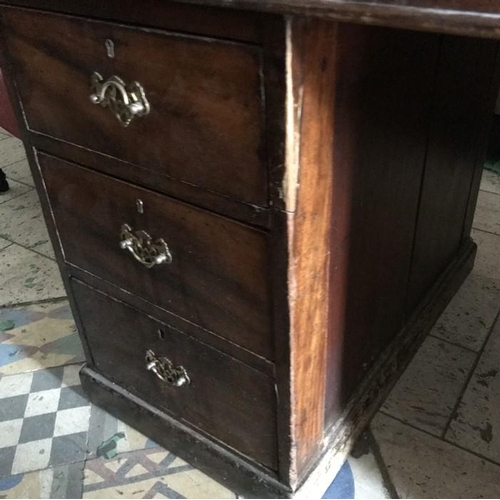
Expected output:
(8, 119)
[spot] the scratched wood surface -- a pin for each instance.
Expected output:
(311, 80)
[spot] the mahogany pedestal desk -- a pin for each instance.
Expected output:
(259, 208)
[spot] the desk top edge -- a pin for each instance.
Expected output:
(463, 17)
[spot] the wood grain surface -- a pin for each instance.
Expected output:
(295, 166)
(307, 229)
(205, 127)
(219, 275)
(225, 398)
(462, 106)
(385, 83)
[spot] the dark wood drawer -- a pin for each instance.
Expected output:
(218, 277)
(224, 397)
(205, 125)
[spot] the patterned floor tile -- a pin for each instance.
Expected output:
(487, 262)
(343, 484)
(421, 466)
(65, 481)
(428, 390)
(487, 217)
(360, 476)
(11, 151)
(16, 190)
(109, 436)
(20, 172)
(47, 419)
(490, 182)
(16, 385)
(149, 473)
(476, 425)
(38, 336)
(368, 480)
(28, 277)
(21, 221)
(470, 315)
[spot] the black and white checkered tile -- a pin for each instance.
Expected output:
(44, 420)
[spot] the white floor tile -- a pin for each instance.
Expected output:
(469, 316)
(16, 190)
(4, 244)
(21, 221)
(487, 217)
(488, 255)
(429, 389)
(422, 466)
(42, 402)
(72, 421)
(476, 425)
(368, 481)
(28, 277)
(46, 249)
(20, 171)
(10, 432)
(490, 182)
(15, 385)
(11, 151)
(32, 456)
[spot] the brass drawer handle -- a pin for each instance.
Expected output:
(166, 371)
(125, 102)
(148, 252)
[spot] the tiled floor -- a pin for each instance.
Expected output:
(437, 435)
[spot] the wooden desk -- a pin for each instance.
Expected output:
(259, 209)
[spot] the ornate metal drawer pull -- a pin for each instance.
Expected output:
(148, 252)
(125, 102)
(165, 370)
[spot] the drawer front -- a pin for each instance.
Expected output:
(204, 126)
(224, 397)
(218, 275)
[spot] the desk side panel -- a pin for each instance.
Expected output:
(462, 110)
(383, 95)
